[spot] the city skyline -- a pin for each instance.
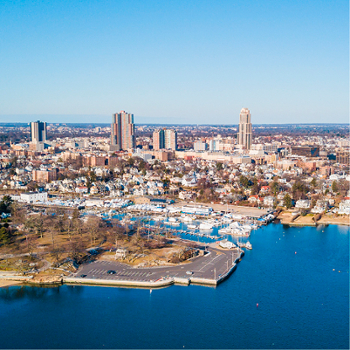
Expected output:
(185, 64)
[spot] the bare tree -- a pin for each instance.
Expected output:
(94, 226)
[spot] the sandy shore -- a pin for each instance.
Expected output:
(6, 283)
(286, 219)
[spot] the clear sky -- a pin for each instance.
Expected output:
(175, 61)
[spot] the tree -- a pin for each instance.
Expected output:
(299, 189)
(313, 182)
(287, 201)
(92, 176)
(219, 166)
(131, 161)
(38, 224)
(5, 236)
(5, 204)
(56, 253)
(334, 187)
(243, 180)
(93, 226)
(18, 213)
(274, 187)
(75, 248)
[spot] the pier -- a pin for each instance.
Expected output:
(209, 269)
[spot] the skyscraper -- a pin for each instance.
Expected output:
(244, 136)
(122, 131)
(38, 131)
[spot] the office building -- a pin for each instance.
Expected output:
(306, 151)
(244, 135)
(122, 131)
(38, 131)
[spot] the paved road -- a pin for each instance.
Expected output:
(236, 209)
(210, 266)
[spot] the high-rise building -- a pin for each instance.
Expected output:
(158, 139)
(122, 131)
(200, 146)
(38, 131)
(170, 139)
(245, 129)
(165, 138)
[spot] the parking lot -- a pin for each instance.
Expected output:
(210, 266)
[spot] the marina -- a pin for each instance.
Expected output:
(220, 237)
(317, 297)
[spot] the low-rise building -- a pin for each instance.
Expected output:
(33, 197)
(303, 204)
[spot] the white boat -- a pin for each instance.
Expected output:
(187, 219)
(248, 245)
(205, 226)
(247, 228)
(172, 220)
(192, 227)
(234, 231)
(224, 231)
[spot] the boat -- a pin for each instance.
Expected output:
(234, 231)
(186, 219)
(192, 227)
(248, 245)
(205, 226)
(224, 231)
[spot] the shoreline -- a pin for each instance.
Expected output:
(325, 223)
(162, 282)
(8, 283)
(8, 279)
(286, 218)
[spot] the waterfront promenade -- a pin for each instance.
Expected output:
(209, 269)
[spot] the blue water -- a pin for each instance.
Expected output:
(303, 303)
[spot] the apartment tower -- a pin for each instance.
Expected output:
(122, 131)
(170, 139)
(38, 131)
(244, 136)
(165, 138)
(158, 139)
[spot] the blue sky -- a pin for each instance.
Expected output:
(175, 61)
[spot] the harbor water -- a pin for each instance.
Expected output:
(290, 291)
